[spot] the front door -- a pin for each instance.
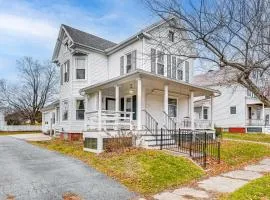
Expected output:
(128, 104)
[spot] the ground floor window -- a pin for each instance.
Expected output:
(172, 107)
(233, 110)
(80, 110)
(65, 110)
(205, 113)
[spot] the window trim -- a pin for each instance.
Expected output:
(126, 64)
(175, 98)
(66, 71)
(160, 62)
(79, 99)
(62, 110)
(207, 113)
(76, 67)
(171, 36)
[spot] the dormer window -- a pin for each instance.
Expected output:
(171, 36)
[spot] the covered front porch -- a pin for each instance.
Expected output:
(257, 114)
(143, 101)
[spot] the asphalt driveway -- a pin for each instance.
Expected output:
(29, 172)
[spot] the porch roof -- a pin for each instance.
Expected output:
(139, 73)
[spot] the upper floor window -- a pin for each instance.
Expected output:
(65, 111)
(179, 69)
(66, 71)
(128, 66)
(233, 110)
(160, 63)
(205, 113)
(80, 110)
(80, 68)
(171, 36)
(187, 71)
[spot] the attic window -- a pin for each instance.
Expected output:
(66, 46)
(171, 36)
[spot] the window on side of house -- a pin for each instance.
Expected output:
(66, 71)
(179, 69)
(128, 66)
(187, 71)
(172, 107)
(80, 68)
(258, 113)
(233, 110)
(171, 36)
(53, 118)
(65, 111)
(80, 110)
(160, 63)
(205, 113)
(173, 67)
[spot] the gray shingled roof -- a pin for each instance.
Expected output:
(87, 39)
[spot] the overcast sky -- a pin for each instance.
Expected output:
(30, 27)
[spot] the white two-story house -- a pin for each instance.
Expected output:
(236, 109)
(136, 84)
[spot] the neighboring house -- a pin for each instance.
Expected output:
(134, 84)
(236, 109)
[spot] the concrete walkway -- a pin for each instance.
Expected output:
(224, 183)
(32, 173)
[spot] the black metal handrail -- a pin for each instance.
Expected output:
(170, 123)
(200, 146)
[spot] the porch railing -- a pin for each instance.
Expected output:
(110, 120)
(169, 122)
(198, 124)
(257, 122)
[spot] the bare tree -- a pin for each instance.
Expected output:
(232, 34)
(35, 87)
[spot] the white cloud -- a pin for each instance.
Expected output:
(24, 26)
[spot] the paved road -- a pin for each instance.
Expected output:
(32, 173)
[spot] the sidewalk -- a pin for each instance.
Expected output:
(223, 183)
(31, 137)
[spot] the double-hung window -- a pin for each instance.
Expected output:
(80, 110)
(128, 66)
(179, 69)
(160, 63)
(172, 107)
(171, 36)
(205, 113)
(65, 110)
(66, 71)
(80, 68)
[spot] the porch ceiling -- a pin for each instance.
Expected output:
(152, 82)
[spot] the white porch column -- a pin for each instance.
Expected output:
(117, 106)
(191, 109)
(212, 112)
(166, 96)
(139, 104)
(99, 110)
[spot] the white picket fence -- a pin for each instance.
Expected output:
(20, 128)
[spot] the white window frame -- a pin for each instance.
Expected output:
(170, 97)
(65, 71)
(207, 113)
(160, 61)
(79, 99)
(63, 110)
(130, 65)
(77, 67)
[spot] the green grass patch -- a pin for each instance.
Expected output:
(256, 190)
(143, 171)
(235, 153)
(17, 132)
(258, 137)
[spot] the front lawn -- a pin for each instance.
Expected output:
(17, 132)
(258, 137)
(235, 154)
(256, 190)
(143, 171)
